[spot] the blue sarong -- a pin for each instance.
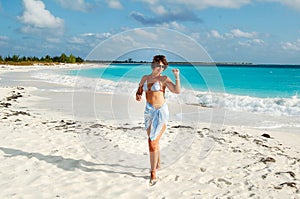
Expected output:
(156, 118)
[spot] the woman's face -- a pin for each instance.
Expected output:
(159, 67)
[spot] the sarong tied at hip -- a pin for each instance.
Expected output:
(156, 118)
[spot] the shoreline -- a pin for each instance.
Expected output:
(46, 147)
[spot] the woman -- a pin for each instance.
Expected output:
(156, 111)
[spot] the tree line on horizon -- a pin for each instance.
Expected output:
(18, 60)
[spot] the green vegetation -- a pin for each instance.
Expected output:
(47, 60)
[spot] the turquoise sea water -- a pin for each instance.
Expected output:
(271, 90)
(263, 82)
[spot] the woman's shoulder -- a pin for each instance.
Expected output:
(164, 78)
(145, 77)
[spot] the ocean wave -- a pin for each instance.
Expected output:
(210, 99)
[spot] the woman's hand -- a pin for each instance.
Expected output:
(138, 97)
(176, 72)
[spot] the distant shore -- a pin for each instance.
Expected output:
(106, 62)
(219, 64)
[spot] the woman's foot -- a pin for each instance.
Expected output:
(152, 182)
(153, 178)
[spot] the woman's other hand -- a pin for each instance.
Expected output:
(138, 97)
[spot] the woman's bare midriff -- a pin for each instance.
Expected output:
(155, 98)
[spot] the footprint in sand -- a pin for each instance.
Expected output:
(220, 182)
(287, 174)
(169, 178)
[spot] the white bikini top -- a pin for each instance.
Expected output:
(156, 86)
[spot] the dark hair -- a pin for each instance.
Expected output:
(157, 59)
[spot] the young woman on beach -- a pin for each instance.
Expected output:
(156, 112)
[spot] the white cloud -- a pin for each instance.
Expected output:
(258, 41)
(174, 25)
(53, 40)
(134, 40)
(216, 34)
(235, 33)
(96, 35)
(151, 2)
(295, 46)
(249, 43)
(145, 34)
(242, 38)
(115, 4)
(160, 10)
(76, 40)
(78, 5)
(295, 4)
(35, 15)
(201, 4)
(239, 33)
(244, 43)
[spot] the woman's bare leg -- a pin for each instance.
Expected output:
(158, 160)
(155, 155)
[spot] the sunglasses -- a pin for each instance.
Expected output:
(161, 66)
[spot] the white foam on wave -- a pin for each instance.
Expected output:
(273, 106)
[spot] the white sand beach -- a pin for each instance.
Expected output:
(61, 142)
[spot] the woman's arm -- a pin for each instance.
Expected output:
(139, 92)
(174, 88)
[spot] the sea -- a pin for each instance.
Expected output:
(269, 90)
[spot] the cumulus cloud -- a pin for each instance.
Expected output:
(76, 40)
(145, 34)
(174, 25)
(179, 15)
(295, 46)
(295, 4)
(242, 38)
(157, 6)
(96, 35)
(201, 4)
(239, 33)
(115, 4)
(35, 15)
(258, 41)
(249, 43)
(53, 39)
(215, 34)
(151, 2)
(77, 5)
(234, 33)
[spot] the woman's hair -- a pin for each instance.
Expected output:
(157, 59)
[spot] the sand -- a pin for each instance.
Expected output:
(55, 145)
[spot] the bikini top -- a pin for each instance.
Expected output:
(156, 86)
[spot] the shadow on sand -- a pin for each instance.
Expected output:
(70, 164)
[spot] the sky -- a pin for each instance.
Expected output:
(255, 31)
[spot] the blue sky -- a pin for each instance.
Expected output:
(257, 31)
